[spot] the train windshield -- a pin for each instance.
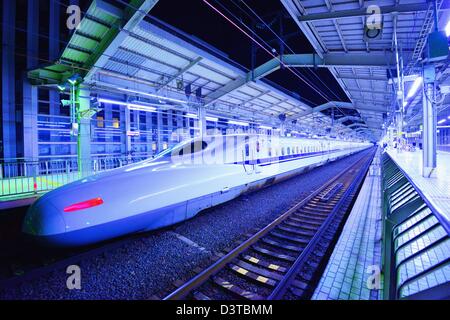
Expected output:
(183, 149)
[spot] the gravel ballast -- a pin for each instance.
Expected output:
(151, 263)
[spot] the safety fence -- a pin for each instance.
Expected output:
(19, 177)
(416, 240)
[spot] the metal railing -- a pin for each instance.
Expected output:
(19, 177)
(416, 240)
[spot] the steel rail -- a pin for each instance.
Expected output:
(183, 291)
(285, 283)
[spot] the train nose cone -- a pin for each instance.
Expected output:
(43, 220)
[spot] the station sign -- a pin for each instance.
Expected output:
(133, 133)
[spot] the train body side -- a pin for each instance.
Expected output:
(161, 192)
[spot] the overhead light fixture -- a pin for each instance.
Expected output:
(442, 121)
(139, 107)
(74, 79)
(239, 123)
(415, 86)
(447, 29)
(265, 127)
(213, 119)
(131, 106)
(152, 95)
(191, 115)
(120, 103)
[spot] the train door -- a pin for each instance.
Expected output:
(249, 151)
(257, 147)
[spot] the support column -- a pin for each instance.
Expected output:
(169, 127)
(53, 54)
(8, 80)
(282, 130)
(202, 121)
(30, 93)
(149, 129)
(84, 131)
(127, 130)
(180, 127)
(159, 132)
(107, 126)
(429, 124)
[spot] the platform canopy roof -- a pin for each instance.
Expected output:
(337, 26)
(126, 51)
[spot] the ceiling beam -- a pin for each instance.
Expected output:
(399, 8)
(179, 73)
(357, 125)
(348, 118)
(134, 14)
(357, 77)
(304, 60)
(370, 108)
(368, 91)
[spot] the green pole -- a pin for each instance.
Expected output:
(83, 102)
(77, 118)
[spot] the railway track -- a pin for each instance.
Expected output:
(285, 259)
(28, 263)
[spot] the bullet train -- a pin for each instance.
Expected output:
(173, 186)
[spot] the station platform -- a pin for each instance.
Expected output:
(357, 255)
(435, 190)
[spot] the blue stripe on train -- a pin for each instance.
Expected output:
(286, 158)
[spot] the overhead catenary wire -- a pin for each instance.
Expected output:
(146, 14)
(79, 67)
(263, 47)
(298, 74)
(282, 40)
(281, 62)
(286, 45)
(254, 40)
(43, 60)
(265, 42)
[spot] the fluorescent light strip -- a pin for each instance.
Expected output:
(131, 106)
(213, 119)
(141, 108)
(266, 127)
(191, 115)
(414, 87)
(442, 121)
(152, 95)
(239, 123)
(120, 103)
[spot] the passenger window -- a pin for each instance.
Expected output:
(247, 146)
